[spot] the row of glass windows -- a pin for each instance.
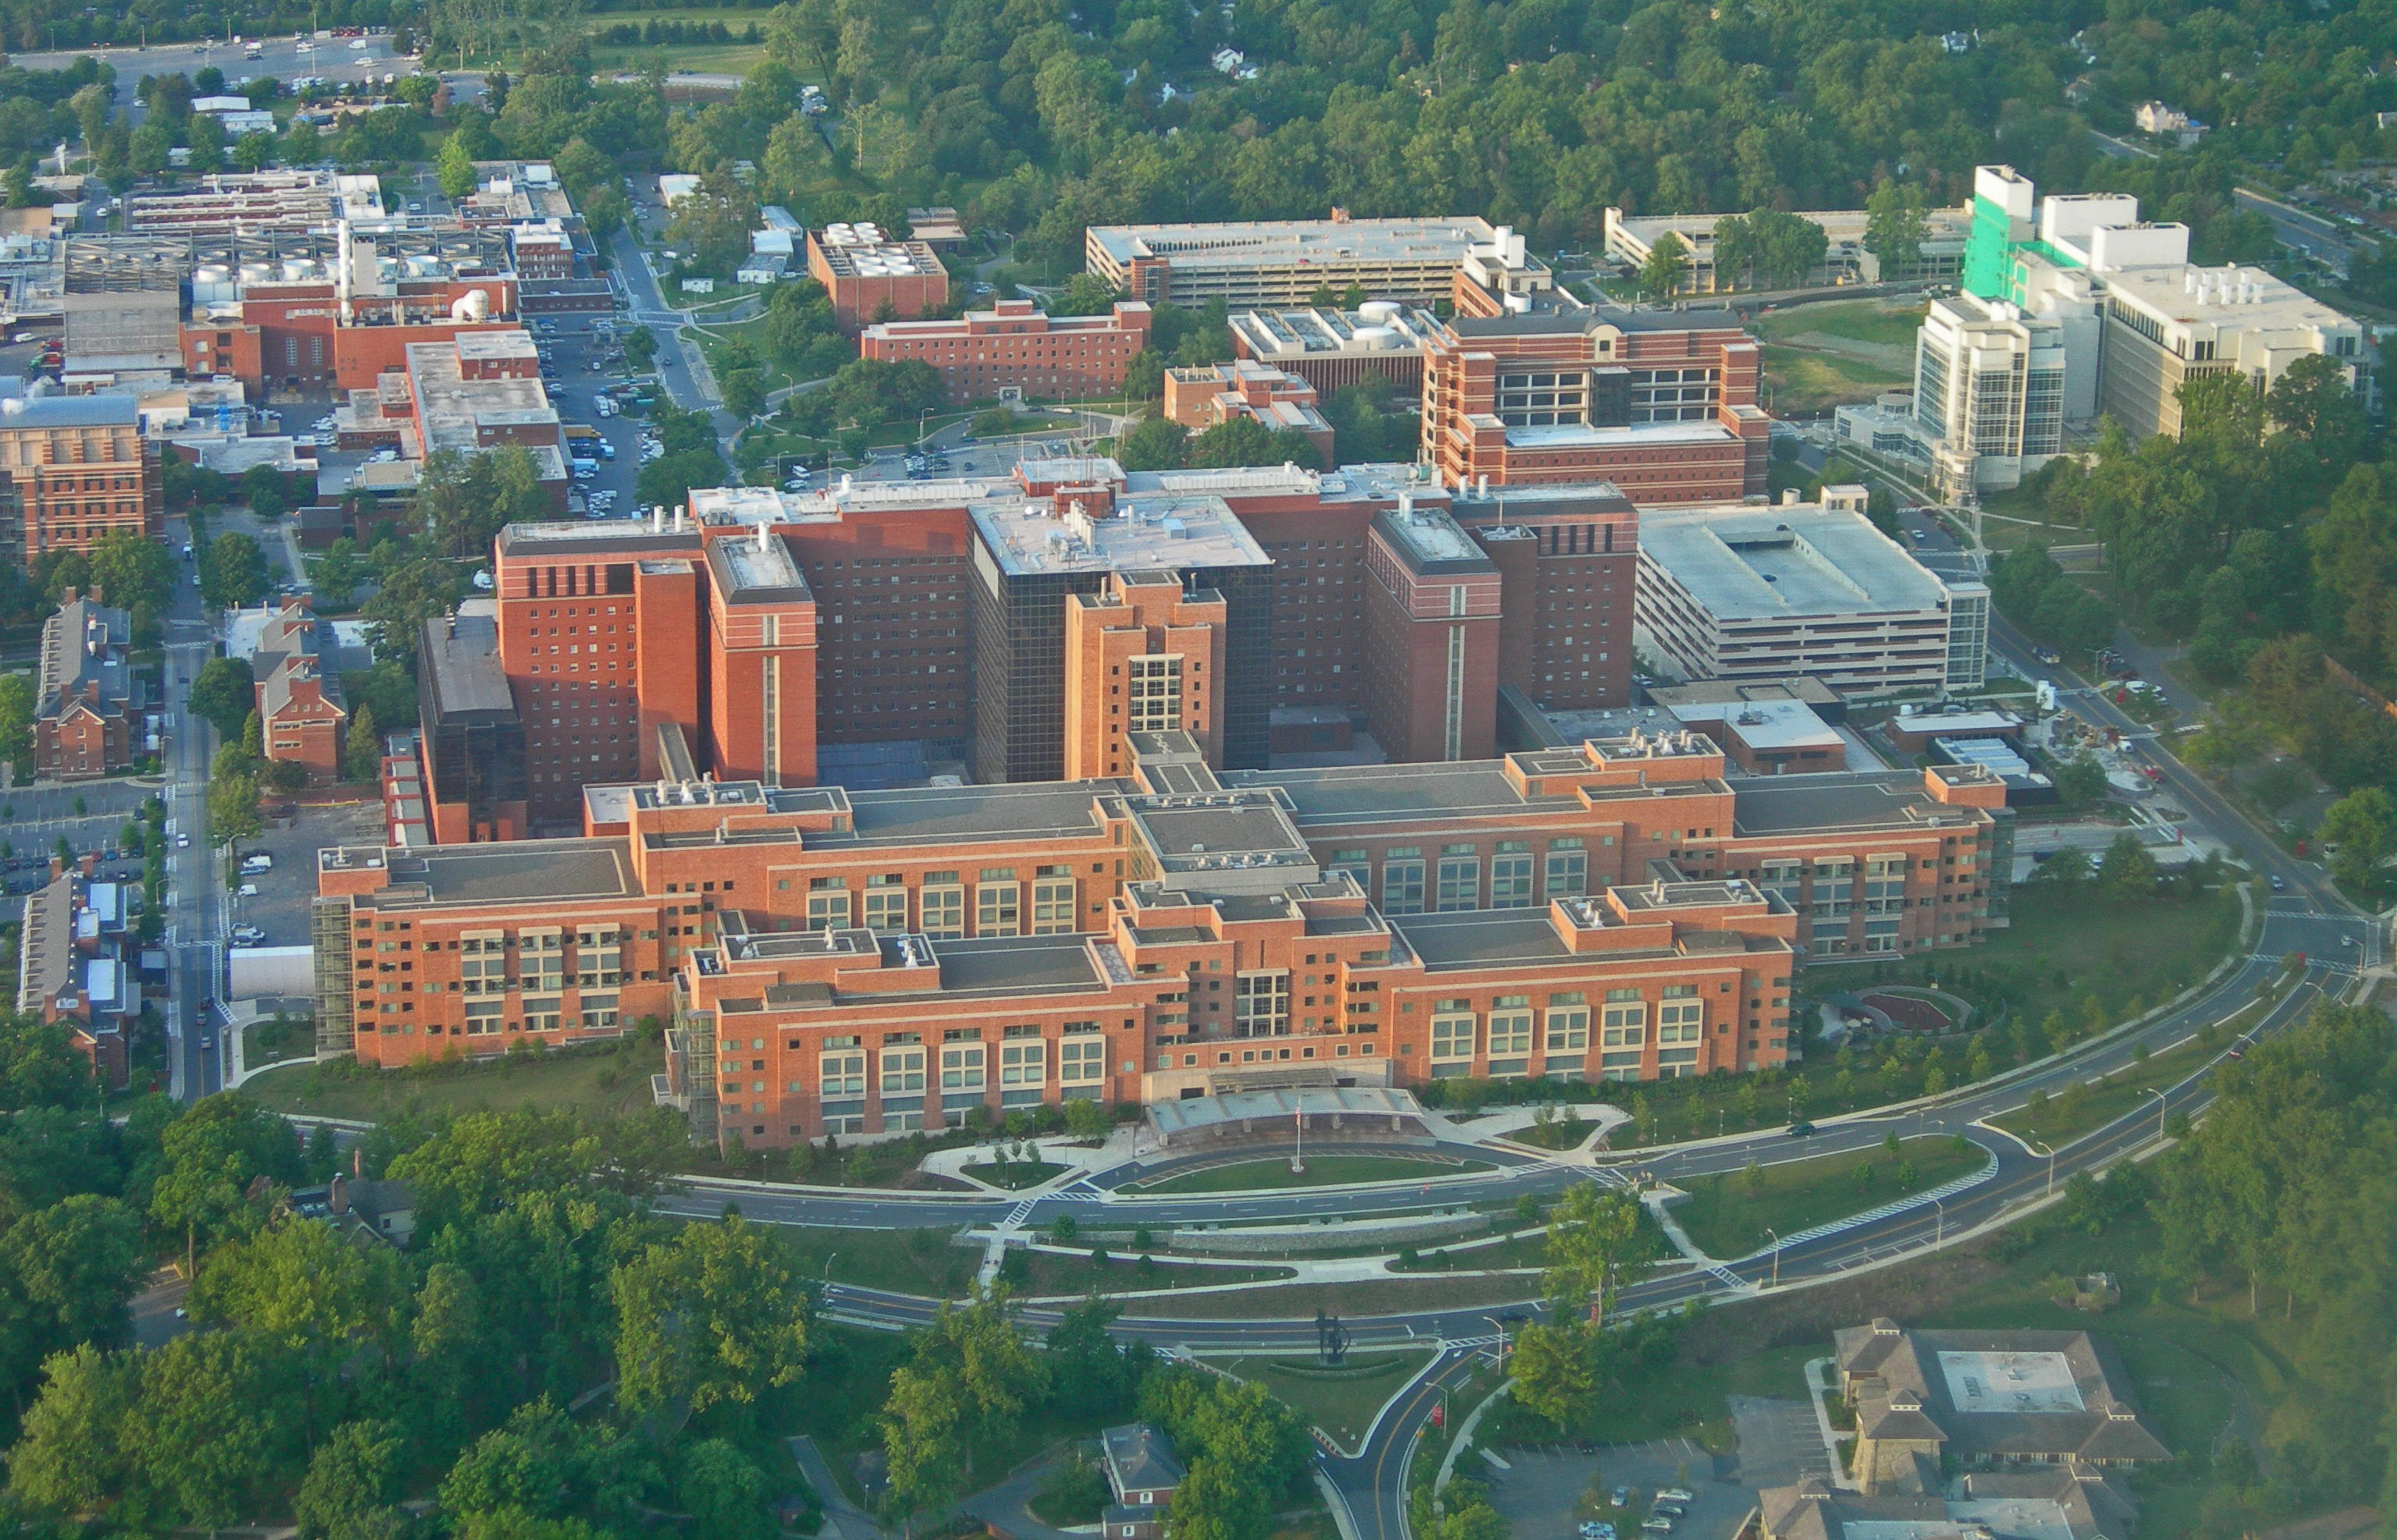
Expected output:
(903, 1070)
(1454, 877)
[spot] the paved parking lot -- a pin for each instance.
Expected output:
(1779, 1442)
(571, 347)
(32, 820)
(280, 906)
(1540, 1493)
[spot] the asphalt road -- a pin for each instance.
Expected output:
(331, 59)
(195, 943)
(2312, 235)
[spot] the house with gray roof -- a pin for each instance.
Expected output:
(88, 701)
(1142, 1475)
(2073, 1502)
(1927, 1401)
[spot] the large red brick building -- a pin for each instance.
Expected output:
(930, 617)
(337, 310)
(863, 272)
(871, 961)
(1660, 403)
(1014, 346)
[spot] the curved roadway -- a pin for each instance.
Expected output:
(1370, 1484)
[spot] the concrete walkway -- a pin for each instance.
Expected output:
(1080, 1160)
(842, 1519)
(1006, 1507)
(1820, 1384)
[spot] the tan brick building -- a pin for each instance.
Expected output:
(73, 468)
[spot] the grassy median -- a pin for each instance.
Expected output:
(1732, 1214)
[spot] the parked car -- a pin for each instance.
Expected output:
(1619, 1498)
(1657, 1523)
(1597, 1529)
(1675, 1494)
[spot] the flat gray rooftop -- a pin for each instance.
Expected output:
(68, 411)
(1480, 938)
(1368, 793)
(521, 871)
(1175, 830)
(1171, 532)
(1015, 965)
(461, 657)
(1280, 243)
(1794, 804)
(1582, 322)
(1743, 563)
(1031, 810)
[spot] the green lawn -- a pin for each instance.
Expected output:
(611, 1080)
(914, 1262)
(1046, 1274)
(1343, 1401)
(734, 57)
(1322, 1171)
(1527, 1249)
(1729, 1217)
(925, 1262)
(1016, 1174)
(2120, 952)
(1368, 1297)
(1801, 382)
(2093, 1104)
(1857, 320)
(271, 1042)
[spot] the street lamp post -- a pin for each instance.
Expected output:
(920, 424)
(1501, 1341)
(1939, 1231)
(1776, 1256)
(828, 1260)
(1298, 1150)
(2160, 1110)
(2049, 1150)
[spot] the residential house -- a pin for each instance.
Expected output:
(1142, 1476)
(74, 969)
(87, 702)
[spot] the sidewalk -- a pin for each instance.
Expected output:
(842, 1519)
(1080, 1160)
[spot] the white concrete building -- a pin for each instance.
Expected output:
(2087, 309)
(1740, 592)
(1630, 238)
